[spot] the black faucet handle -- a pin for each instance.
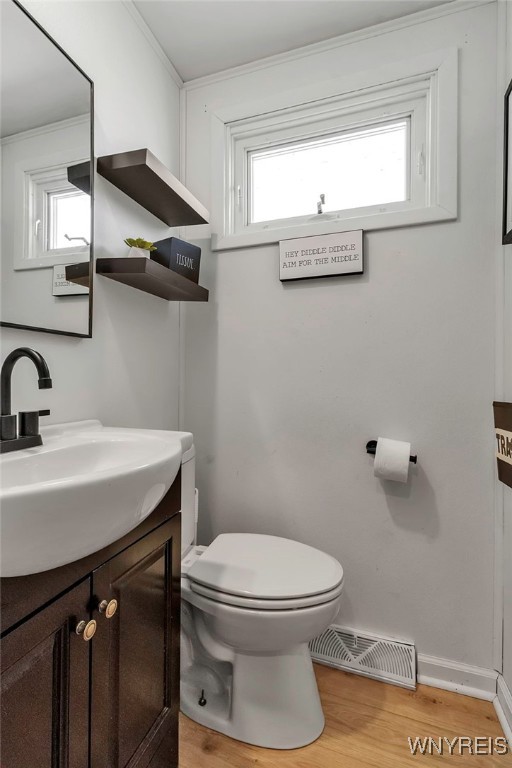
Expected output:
(29, 422)
(8, 427)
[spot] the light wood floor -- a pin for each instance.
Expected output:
(367, 725)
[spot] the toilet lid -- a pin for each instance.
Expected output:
(267, 567)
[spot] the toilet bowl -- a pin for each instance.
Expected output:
(250, 605)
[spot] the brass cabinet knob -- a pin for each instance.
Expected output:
(87, 629)
(108, 607)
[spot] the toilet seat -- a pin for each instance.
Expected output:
(265, 573)
(262, 604)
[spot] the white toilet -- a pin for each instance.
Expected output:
(250, 605)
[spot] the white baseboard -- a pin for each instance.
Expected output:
(503, 707)
(478, 682)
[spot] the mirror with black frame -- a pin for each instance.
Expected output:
(46, 141)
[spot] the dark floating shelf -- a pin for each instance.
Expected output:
(145, 274)
(80, 176)
(141, 176)
(79, 273)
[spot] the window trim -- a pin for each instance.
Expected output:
(432, 77)
(415, 187)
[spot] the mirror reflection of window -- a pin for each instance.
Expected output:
(69, 217)
(55, 225)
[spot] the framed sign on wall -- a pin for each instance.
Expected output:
(321, 256)
(503, 424)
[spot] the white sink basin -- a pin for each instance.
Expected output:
(84, 488)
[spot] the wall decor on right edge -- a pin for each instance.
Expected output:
(503, 424)
(507, 170)
(321, 256)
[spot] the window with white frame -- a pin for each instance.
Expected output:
(68, 213)
(354, 168)
(57, 224)
(372, 157)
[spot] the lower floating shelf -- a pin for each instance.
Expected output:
(145, 274)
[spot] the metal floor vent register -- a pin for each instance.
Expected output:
(372, 656)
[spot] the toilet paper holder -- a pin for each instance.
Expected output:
(371, 447)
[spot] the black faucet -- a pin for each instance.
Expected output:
(28, 436)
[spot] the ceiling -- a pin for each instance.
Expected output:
(201, 37)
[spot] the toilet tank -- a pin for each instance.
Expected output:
(188, 499)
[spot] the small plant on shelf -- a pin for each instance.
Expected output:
(139, 247)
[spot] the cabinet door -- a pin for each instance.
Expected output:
(45, 687)
(135, 659)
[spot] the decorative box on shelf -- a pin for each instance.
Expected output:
(178, 255)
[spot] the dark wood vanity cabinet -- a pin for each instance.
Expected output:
(135, 684)
(112, 701)
(45, 688)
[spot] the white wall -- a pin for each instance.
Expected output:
(285, 383)
(128, 373)
(507, 395)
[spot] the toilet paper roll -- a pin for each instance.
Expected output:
(392, 460)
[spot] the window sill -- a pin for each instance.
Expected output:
(53, 258)
(367, 222)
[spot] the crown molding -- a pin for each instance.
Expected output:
(129, 6)
(68, 122)
(349, 38)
